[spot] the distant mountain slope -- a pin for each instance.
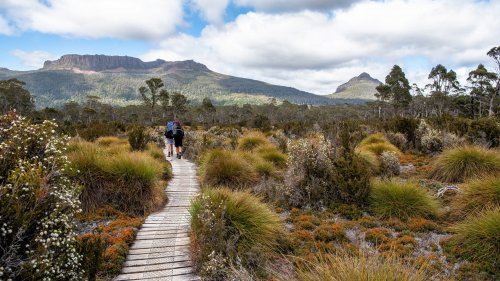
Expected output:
(359, 87)
(116, 79)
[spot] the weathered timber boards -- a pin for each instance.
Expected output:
(161, 248)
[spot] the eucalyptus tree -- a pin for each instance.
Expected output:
(179, 104)
(153, 93)
(444, 82)
(482, 88)
(494, 53)
(13, 96)
(396, 89)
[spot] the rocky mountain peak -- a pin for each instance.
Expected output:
(116, 64)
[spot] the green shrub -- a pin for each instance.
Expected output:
(38, 203)
(406, 126)
(225, 168)
(478, 239)
(252, 140)
(346, 266)
(350, 179)
(138, 137)
(485, 131)
(402, 200)
(461, 163)
(92, 247)
(315, 179)
(477, 195)
(235, 226)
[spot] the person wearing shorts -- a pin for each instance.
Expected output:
(169, 138)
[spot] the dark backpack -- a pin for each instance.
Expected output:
(177, 131)
(169, 134)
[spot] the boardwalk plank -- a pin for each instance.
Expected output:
(161, 248)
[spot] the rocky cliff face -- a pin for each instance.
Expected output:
(116, 64)
(362, 78)
(359, 87)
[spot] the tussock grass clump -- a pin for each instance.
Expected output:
(376, 144)
(108, 141)
(252, 141)
(233, 225)
(371, 159)
(155, 152)
(478, 238)
(135, 168)
(127, 181)
(358, 267)
(226, 168)
(477, 195)
(273, 155)
(379, 148)
(461, 163)
(373, 138)
(402, 200)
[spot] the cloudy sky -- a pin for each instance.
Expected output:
(313, 45)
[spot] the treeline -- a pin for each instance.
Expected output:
(442, 98)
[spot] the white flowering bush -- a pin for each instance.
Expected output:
(197, 142)
(451, 140)
(389, 164)
(398, 139)
(308, 178)
(431, 140)
(37, 203)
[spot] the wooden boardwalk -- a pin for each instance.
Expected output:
(161, 249)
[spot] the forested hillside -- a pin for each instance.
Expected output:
(116, 79)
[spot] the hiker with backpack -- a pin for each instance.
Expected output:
(169, 138)
(178, 134)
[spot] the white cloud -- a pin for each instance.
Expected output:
(295, 5)
(211, 10)
(317, 51)
(145, 19)
(4, 27)
(33, 59)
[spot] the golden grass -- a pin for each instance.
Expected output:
(225, 168)
(375, 144)
(477, 195)
(344, 266)
(478, 238)
(466, 162)
(252, 140)
(403, 200)
(109, 175)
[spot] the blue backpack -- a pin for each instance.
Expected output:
(169, 130)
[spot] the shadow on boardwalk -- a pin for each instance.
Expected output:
(161, 249)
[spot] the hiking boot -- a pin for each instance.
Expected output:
(178, 156)
(169, 154)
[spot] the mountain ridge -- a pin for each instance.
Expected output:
(115, 79)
